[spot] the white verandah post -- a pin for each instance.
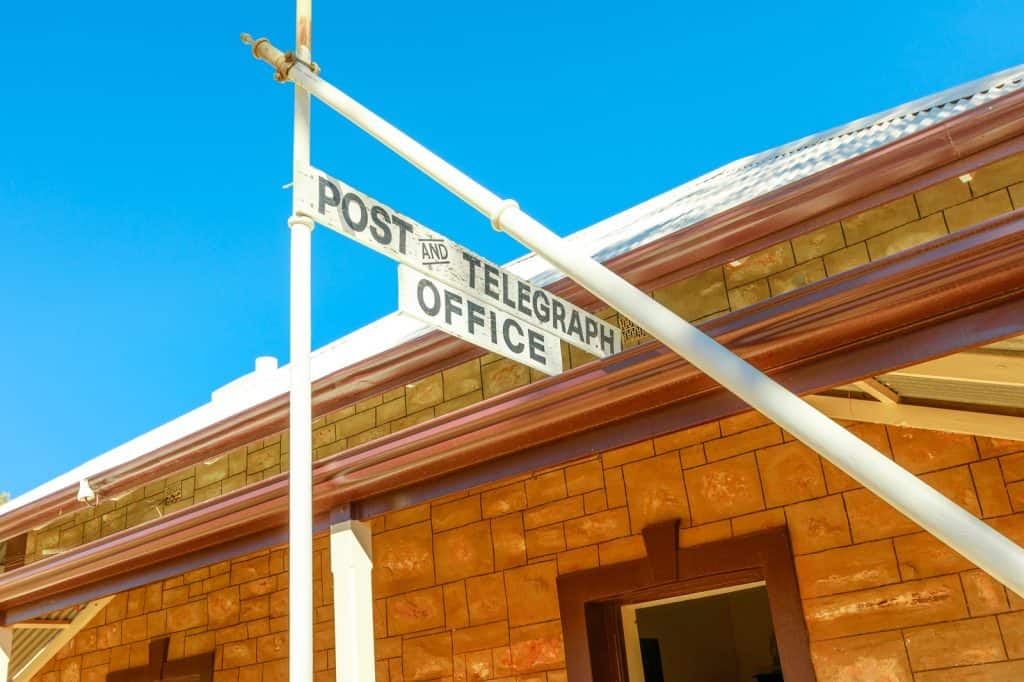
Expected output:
(6, 647)
(351, 566)
(300, 413)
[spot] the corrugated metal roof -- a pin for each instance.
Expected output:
(29, 643)
(731, 185)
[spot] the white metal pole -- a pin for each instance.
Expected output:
(6, 650)
(300, 417)
(974, 539)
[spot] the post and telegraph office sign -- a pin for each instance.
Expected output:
(450, 287)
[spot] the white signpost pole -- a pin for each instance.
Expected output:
(300, 414)
(959, 529)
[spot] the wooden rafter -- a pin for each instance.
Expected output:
(68, 630)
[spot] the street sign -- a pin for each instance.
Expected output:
(334, 204)
(477, 320)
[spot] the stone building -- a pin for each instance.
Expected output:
(627, 519)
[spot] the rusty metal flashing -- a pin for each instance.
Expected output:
(961, 290)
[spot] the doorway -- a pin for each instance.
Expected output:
(723, 635)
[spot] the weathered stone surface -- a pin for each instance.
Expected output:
(186, 616)
(415, 611)
(881, 219)
(503, 500)
(796, 277)
(584, 477)
(724, 489)
(878, 657)
(424, 393)
(486, 599)
(464, 552)
(846, 569)
(871, 518)
(537, 647)
(546, 540)
(943, 195)
(818, 524)
(480, 637)
(709, 532)
(744, 441)
(554, 512)
(999, 174)
(696, 296)
(751, 523)
(965, 642)
(978, 210)
(759, 265)
(749, 294)
(985, 595)
(790, 472)
(545, 488)
(628, 453)
(427, 658)
(818, 242)
(222, 607)
(654, 492)
(922, 555)
(683, 439)
(846, 259)
(457, 513)
(509, 541)
(577, 559)
(534, 595)
(403, 560)
(462, 379)
(596, 528)
(921, 450)
(884, 608)
(1008, 671)
(907, 236)
(504, 375)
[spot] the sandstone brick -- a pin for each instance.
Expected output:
(458, 403)
(818, 524)
(461, 379)
(744, 421)
(957, 485)
(535, 595)
(681, 439)
(1017, 195)
(537, 647)
(629, 453)
(943, 195)
(758, 265)
(595, 501)
(390, 411)
(849, 258)
(966, 642)
(504, 375)
(621, 549)
(480, 637)
(1015, 491)
(696, 296)
(258, 587)
(186, 616)
(871, 518)
(654, 493)
(486, 599)
(724, 489)
(424, 393)
(995, 447)
(407, 516)
(403, 560)
(553, 512)
(749, 294)
(584, 477)
(415, 611)
(256, 608)
(615, 487)
(545, 488)
(894, 606)
(709, 532)
(546, 540)
(577, 559)
(503, 500)
(222, 607)
(922, 555)
(847, 569)
(818, 242)
(880, 219)
(357, 423)
(1012, 467)
(796, 277)
(457, 513)
(464, 552)
(456, 609)
(390, 647)
(135, 629)
(1009, 671)
(999, 174)
(751, 523)
(596, 528)
(985, 595)
(880, 657)
(790, 472)
(509, 541)
(920, 450)
(745, 441)
(907, 236)
(427, 658)
(1012, 625)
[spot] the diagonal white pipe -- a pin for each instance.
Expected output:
(974, 539)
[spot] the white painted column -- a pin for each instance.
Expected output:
(6, 648)
(351, 564)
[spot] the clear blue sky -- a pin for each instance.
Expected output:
(145, 253)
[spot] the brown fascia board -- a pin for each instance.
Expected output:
(953, 147)
(961, 290)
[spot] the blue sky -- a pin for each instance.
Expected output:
(142, 155)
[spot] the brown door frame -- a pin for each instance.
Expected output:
(591, 600)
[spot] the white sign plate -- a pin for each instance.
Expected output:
(477, 320)
(334, 204)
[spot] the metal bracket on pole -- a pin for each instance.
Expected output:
(496, 218)
(282, 62)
